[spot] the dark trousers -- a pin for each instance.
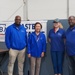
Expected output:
(57, 60)
(71, 65)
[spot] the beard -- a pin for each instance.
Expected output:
(71, 26)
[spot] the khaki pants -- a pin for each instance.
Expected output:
(13, 54)
(35, 66)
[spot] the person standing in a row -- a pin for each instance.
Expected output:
(36, 49)
(56, 38)
(16, 42)
(70, 44)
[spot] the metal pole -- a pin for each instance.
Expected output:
(67, 8)
(25, 10)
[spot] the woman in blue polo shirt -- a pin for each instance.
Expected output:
(36, 48)
(56, 38)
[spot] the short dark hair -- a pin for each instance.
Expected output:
(38, 23)
(71, 16)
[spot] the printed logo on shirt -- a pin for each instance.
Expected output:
(41, 38)
(73, 30)
(22, 30)
(59, 34)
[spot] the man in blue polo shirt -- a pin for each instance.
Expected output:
(70, 44)
(16, 41)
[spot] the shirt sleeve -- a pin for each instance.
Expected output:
(26, 37)
(64, 34)
(44, 43)
(7, 37)
(29, 44)
(49, 34)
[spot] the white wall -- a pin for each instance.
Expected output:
(47, 9)
(8, 9)
(37, 9)
(72, 7)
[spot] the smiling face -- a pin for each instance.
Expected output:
(38, 27)
(56, 25)
(17, 20)
(71, 20)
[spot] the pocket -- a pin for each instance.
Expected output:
(23, 51)
(10, 50)
(13, 52)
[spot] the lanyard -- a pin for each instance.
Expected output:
(37, 38)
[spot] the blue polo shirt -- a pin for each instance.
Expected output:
(70, 41)
(57, 40)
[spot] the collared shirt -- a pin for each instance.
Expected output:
(70, 41)
(57, 40)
